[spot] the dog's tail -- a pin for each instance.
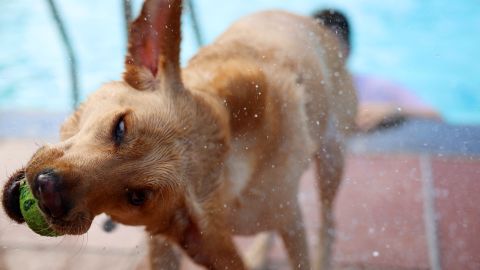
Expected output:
(337, 22)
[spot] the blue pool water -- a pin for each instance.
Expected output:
(429, 46)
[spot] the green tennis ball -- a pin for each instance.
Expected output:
(32, 214)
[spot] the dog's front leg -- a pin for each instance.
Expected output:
(212, 246)
(162, 254)
(215, 250)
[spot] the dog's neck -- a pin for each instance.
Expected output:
(235, 89)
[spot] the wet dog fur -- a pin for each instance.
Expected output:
(216, 149)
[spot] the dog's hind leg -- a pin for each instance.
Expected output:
(329, 162)
(294, 237)
(162, 254)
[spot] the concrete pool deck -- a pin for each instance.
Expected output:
(413, 206)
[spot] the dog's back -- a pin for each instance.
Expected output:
(278, 48)
(272, 60)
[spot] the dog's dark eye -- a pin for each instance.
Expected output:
(119, 131)
(137, 197)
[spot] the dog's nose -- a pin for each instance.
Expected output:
(49, 193)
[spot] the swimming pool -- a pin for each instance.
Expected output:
(428, 46)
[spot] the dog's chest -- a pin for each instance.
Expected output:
(240, 166)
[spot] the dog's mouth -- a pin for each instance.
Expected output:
(74, 224)
(11, 196)
(77, 224)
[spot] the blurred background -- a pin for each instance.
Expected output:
(428, 46)
(409, 198)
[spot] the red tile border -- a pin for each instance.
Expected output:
(380, 212)
(457, 188)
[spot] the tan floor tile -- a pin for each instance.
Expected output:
(81, 259)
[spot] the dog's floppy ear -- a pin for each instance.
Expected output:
(154, 46)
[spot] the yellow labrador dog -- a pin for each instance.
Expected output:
(216, 149)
